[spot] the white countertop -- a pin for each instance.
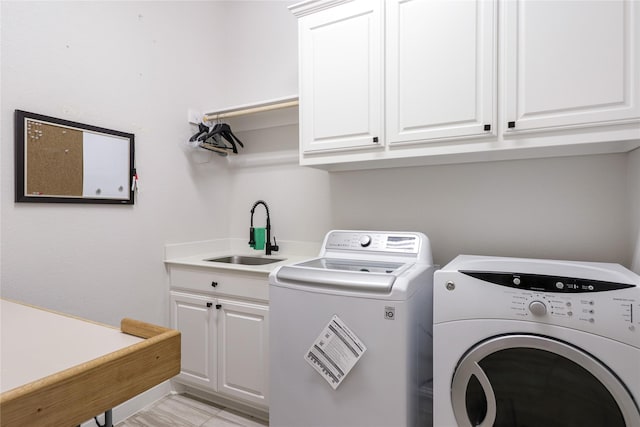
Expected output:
(195, 253)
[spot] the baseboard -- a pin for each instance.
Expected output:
(222, 401)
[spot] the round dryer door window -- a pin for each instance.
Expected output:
(532, 381)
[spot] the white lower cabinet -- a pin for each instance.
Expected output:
(243, 350)
(194, 316)
(225, 345)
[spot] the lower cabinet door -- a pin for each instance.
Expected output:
(195, 317)
(243, 350)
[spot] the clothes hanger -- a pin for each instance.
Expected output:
(225, 130)
(211, 141)
(202, 129)
(220, 130)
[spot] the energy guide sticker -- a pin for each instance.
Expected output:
(335, 352)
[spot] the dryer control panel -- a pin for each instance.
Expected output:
(546, 283)
(598, 298)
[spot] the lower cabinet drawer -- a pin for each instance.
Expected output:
(207, 280)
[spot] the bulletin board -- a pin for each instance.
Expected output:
(68, 162)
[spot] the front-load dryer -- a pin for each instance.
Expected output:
(525, 342)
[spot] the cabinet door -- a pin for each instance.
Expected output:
(441, 69)
(243, 350)
(340, 75)
(195, 317)
(570, 63)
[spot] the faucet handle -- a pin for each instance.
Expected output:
(275, 247)
(252, 239)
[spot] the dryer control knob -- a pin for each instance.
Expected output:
(537, 308)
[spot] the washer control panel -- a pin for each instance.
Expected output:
(373, 241)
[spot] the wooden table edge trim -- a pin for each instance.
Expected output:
(77, 394)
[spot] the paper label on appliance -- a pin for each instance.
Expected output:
(335, 352)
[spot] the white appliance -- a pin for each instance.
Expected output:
(378, 285)
(525, 342)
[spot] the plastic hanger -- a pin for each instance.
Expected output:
(202, 129)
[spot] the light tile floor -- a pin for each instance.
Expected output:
(179, 410)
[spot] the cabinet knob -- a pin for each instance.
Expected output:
(214, 284)
(209, 304)
(511, 124)
(218, 306)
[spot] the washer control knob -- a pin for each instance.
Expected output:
(537, 308)
(365, 241)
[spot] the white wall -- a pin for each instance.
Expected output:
(565, 208)
(130, 66)
(634, 200)
(299, 198)
(262, 64)
(104, 262)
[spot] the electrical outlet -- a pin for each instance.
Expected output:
(194, 116)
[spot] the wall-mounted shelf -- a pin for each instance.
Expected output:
(259, 107)
(258, 115)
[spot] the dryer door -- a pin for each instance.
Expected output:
(530, 380)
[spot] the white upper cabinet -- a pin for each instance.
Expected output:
(570, 63)
(466, 80)
(440, 69)
(340, 52)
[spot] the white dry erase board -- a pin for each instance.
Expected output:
(67, 162)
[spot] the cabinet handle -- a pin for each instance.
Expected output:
(214, 284)
(209, 304)
(218, 306)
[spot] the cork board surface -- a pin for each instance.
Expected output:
(53, 160)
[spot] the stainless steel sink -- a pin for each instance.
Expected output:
(245, 260)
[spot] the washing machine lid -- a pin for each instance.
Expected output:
(346, 274)
(363, 266)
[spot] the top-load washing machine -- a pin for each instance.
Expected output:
(525, 342)
(350, 333)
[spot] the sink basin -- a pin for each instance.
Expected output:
(245, 260)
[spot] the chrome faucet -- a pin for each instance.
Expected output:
(267, 244)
